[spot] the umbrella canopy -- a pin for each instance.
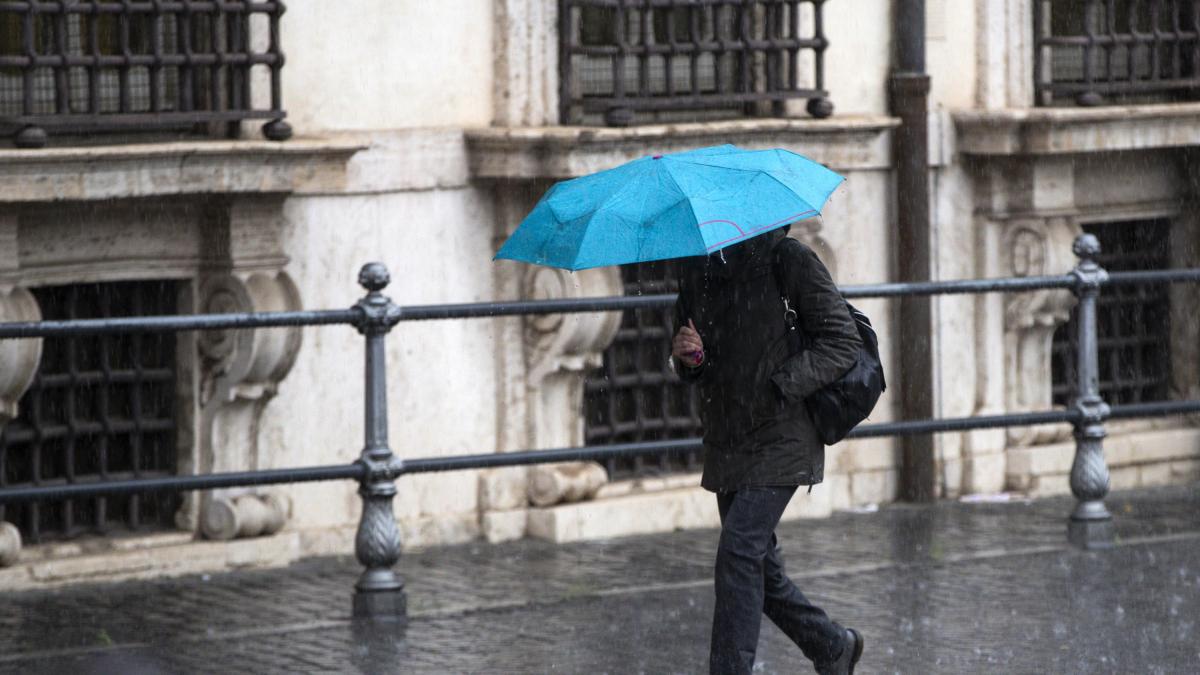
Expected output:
(670, 206)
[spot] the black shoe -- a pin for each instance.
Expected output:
(852, 650)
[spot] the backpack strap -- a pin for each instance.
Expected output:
(790, 318)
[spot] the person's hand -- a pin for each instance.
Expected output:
(687, 346)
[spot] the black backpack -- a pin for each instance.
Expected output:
(839, 406)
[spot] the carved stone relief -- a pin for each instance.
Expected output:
(560, 348)
(239, 374)
(18, 358)
(1034, 247)
(18, 364)
(540, 365)
(228, 252)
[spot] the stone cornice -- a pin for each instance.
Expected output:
(842, 143)
(1055, 131)
(301, 165)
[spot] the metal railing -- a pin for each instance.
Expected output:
(618, 58)
(1096, 51)
(379, 591)
(137, 65)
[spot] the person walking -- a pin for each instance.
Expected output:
(760, 444)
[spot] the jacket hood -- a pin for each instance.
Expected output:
(744, 257)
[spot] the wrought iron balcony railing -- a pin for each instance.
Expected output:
(627, 60)
(82, 66)
(1092, 52)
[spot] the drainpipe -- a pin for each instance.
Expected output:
(909, 85)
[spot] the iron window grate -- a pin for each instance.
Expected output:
(635, 396)
(99, 408)
(136, 65)
(1091, 51)
(654, 60)
(1132, 322)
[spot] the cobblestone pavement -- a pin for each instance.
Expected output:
(948, 588)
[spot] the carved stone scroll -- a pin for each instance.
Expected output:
(244, 516)
(19, 361)
(560, 348)
(18, 358)
(569, 482)
(240, 372)
(1033, 248)
(10, 544)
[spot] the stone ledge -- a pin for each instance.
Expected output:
(654, 512)
(1144, 447)
(172, 559)
(1053, 131)
(302, 165)
(514, 153)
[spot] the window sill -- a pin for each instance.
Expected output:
(301, 165)
(515, 153)
(1057, 131)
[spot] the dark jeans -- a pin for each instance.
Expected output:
(750, 582)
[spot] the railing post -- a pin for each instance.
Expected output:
(1090, 525)
(379, 592)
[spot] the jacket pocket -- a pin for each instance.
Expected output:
(768, 403)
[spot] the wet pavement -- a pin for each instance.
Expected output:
(948, 588)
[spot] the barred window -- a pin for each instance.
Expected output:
(1092, 52)
(84, 36)
(135, 66)
(99, 408)
(1132, 321)
(635, 396)
(624, 61)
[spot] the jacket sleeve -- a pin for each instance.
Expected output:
(831, 336)
(683, 312)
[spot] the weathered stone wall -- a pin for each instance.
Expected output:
(409, 205)
(378, 64)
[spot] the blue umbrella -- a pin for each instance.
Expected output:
(670, 206)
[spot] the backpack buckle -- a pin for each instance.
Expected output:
(789, 314)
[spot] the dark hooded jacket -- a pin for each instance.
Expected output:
(757, 430)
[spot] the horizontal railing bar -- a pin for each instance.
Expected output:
(526, 457)
(1154, 276)
(533, 307)
(958, 286)
(521, 307)
(490, 461)
(162, 324)
(1154, 409)
(914, 427)
(497, 460)
(182, 483)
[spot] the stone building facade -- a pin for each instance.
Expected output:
(425, 132)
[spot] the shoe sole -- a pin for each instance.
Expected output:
(858, 649)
